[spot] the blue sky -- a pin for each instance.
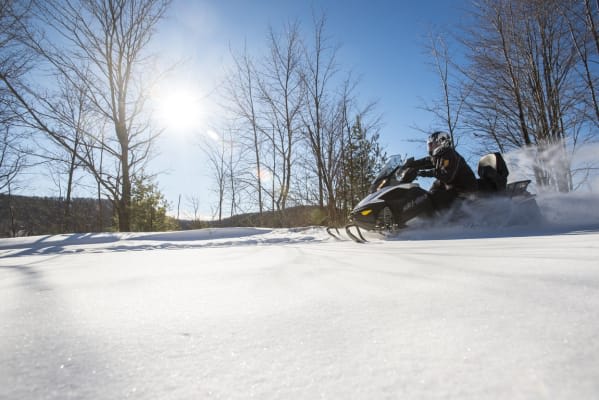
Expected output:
(381, 41)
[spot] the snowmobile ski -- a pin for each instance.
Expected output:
(358, 239)
(336, 235)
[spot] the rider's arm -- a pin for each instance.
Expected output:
(422, 163)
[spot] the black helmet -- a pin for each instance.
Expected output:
(438, 142)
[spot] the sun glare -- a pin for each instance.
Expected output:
(179, 111)
(264, 174)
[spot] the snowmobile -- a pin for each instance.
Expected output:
(395, 199)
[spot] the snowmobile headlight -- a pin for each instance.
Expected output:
(366, 212)
(383, 182)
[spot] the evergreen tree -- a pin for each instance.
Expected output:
(149, 207)
(363, 159)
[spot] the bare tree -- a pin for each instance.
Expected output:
(281, 91)
(70, 114)
(13, 63)
(243, 95)
(580, 17)
(217, 151)
(12, 158)
(194, 202)
(448, 110)
(592, 23)
(264, 97)
(324, 117)
(100, 44)
(14, 16)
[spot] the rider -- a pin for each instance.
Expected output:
(453, 174)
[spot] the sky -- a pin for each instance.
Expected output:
(459, 312)
(382, 42)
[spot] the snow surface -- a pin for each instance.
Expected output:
(454, 313)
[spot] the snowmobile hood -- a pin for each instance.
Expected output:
(376, 197)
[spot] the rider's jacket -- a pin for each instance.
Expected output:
(450, 169)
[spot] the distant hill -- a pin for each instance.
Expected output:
(290, 217)
(27, 216)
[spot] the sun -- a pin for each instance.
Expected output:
(178, 111)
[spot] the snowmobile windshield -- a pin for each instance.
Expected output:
(394, 162)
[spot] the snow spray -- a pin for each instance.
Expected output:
(577, 207)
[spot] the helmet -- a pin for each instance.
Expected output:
(438, 142)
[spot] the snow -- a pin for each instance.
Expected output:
(238, 313)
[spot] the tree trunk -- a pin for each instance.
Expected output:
(67, 206)
(125, 200)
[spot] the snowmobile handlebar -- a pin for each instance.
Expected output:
(408, 174)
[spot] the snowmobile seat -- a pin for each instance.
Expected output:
(493, 173)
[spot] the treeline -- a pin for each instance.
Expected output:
(27, 216)
(298, 216)
(31, 216)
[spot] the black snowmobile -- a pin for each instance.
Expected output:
(395, 198)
